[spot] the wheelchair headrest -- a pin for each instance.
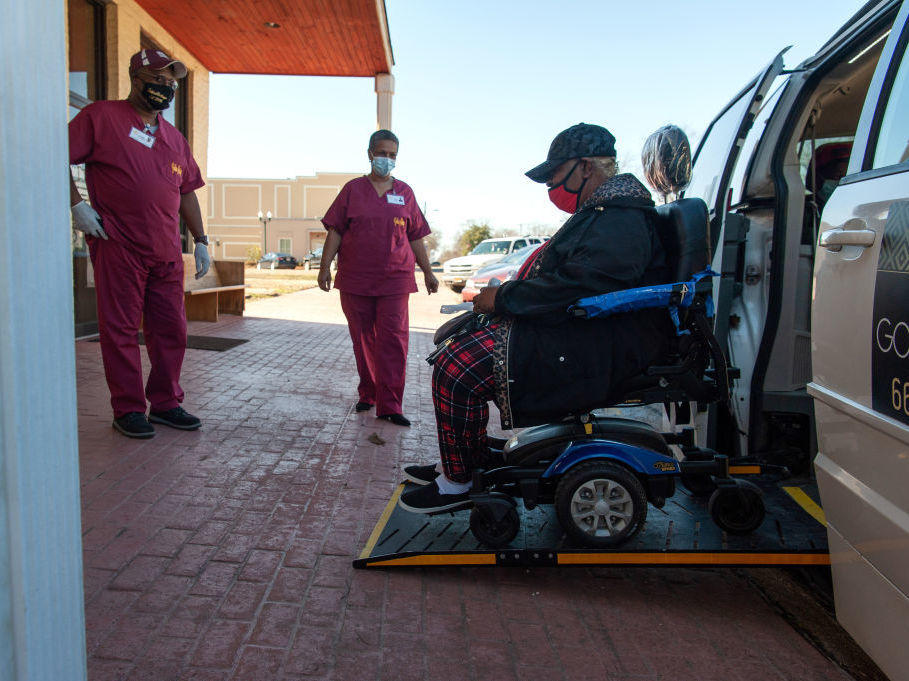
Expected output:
(666, 159)
(684, 231)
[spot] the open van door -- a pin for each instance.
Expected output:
(712, 168)
(717, 152)
(860, 359)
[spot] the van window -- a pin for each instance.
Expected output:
(737, 183)
(713, 154)
(893, 139)
(520, 243)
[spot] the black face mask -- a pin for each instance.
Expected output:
(158, 97)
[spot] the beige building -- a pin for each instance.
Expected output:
(296, 207)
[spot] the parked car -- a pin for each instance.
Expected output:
(275, 261)
(456, 271)
(313, 259)
(806, 173)
(500, 271)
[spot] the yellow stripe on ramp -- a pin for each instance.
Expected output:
(382, 522)
(798, 495)
(692, 558)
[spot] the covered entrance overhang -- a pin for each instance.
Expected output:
(271, 37)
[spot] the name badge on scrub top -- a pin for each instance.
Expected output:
(396, 199)
(141, 137)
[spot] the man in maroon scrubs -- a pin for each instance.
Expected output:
(141, 179)
(376, 228)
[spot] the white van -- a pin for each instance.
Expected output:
(860, 355)
(806, 173)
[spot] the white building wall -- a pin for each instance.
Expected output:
(42, 631)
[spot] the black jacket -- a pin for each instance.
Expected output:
(548, 364)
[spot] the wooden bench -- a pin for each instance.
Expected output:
(221, 290)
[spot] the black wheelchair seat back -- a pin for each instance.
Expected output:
(682, 224)
(684, 231)
(683, 227)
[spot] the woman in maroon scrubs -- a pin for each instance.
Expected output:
(376, 228)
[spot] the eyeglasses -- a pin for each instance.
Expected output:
(159, 79)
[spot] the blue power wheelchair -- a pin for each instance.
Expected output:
(601, 473)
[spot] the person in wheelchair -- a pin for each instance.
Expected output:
(532, 358)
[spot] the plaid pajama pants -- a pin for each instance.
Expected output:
(462, 386)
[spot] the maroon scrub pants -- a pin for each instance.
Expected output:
(131, 290)
(379, 331)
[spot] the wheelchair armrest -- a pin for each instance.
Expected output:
(627, 300)
(674, 295)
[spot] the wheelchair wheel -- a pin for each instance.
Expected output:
(600, 504)
(738, 510)
(492, 533)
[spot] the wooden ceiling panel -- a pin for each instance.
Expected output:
(314, 37)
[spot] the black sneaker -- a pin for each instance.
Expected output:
(362, 406)
(177, 417)
(428, 499)
(420, 475)
(134, 424)
(397, 419)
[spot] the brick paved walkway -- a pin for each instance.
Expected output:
(226, 553)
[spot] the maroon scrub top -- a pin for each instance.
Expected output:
(135, 189)
(375, 258)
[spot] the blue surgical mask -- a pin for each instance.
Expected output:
(383, 165)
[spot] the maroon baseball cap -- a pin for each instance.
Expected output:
(155, 59)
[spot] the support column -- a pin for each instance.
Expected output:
(42, 623)
(385, 90)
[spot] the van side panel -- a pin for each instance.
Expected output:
(871, 609)
(877, 526)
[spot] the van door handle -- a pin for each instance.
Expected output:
(834, 239)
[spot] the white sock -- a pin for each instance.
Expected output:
(446, 486)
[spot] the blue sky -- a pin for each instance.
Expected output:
(483, 87)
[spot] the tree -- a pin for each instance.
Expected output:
(540, 229)
(432, 241)
(253, 253)
(448, 254)
(473, 234)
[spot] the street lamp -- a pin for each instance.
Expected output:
(264, 219)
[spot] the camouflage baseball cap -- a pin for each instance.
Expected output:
(577, 141)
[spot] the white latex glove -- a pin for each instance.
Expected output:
(87, 220)
(203, 260)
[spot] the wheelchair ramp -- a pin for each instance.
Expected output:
(681, 533)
